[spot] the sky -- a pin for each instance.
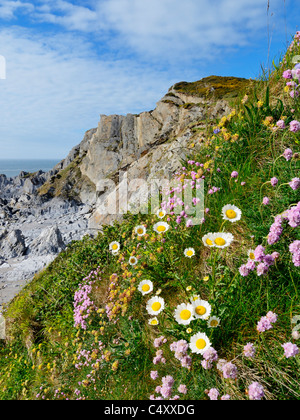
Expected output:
(67, 62)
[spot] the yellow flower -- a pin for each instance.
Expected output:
(259, 104)
(206, 278)
(189, 330)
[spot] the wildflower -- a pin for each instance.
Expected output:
(213, 322)
(287, 74)
(275, 231)
(250, 265)
(213, 394)
(295, 126)
(133, 261)
(222, 240)
(206, 364)
(145, 287)
(114, 247)
(290, 350)
(251, 255)
(161, 213)
(182, 389)
(280, 124)
(262, 269)
(201, 309)
(249, 351)
(234, 174)
(199, 343)
(206, 279)
(189, 252)
(259, 104)
(296, 335)
(231, 213)
(272, 317)
(161, 227)
(229, 371)
(221, 363)
(259, 253)
(208, 240)
(189, 330)
(211, 354)
(154, 374)
(288, 154)
(226, 397)
(256, 391)
(274, 181)
(155, 305)
(153, 321)
(295, 183)
(266, 201)
(295, 251)
(244, 270)
(140, 230)
(184, 314)
(264, 325)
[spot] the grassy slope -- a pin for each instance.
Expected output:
(39, 359)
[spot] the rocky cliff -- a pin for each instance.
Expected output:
(149, 145)
(41, 213)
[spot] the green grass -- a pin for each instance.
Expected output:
(43, 346)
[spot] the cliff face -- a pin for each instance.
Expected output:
(145, 146)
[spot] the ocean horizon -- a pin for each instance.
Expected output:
(13, 167)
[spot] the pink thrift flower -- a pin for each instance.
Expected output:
(249, 351)
(256, 391)
(295, 183)
(182, 389)
(154, 374)
(290, 350)
(266, 201)
(288, 154)
(229, 371)
(234, 174)
(274, 181)
(280, 124)
(213, 394)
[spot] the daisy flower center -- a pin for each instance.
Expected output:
(115, 247)
(252, 256)
(190, 253)
(185, 314)
(209, 242)
(200, 344)
(161, 228)
(146, 288)
(214, 323)
(154, 322)
(140, 231)
(161, 214)
(220, 241)
(156, 306)
(231, 214)
(200, 310)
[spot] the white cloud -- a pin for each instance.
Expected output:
(166, 29)
(8, 8)
(56, 88)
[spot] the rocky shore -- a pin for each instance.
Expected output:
(33, 229)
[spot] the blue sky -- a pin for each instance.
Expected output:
(67, 61)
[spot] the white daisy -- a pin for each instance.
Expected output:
(231, 213)
(189, 252)
(208, 240)
(133, 261)
(222, 239)
(184, 313)
(251, 255)
(161, 213)
(140, 230)
(202, 309)
(153, 321)
(145, 287)
(161, 227)
(114, 247)
(155, 305)
(213, 322)
(199, 343)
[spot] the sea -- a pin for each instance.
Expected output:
(13, 167)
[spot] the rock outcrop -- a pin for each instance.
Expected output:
(41, 213)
